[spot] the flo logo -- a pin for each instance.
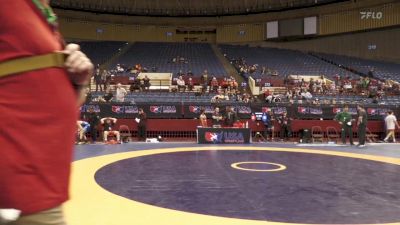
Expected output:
(371, 15)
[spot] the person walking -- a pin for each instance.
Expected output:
(391, 124)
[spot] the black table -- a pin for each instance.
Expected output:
(223, 135)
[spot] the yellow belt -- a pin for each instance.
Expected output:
(26, 64)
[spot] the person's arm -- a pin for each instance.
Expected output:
(102, 120)
(79, 68)
(360, 118)
(114, 120)
(144, 117)
(397, 124)
(337, 118)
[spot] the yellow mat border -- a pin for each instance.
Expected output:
(93, 205)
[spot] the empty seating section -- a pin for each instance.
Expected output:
(197, 57)
(382, 70)
(286, 62)
(354, 99)
(100, 52)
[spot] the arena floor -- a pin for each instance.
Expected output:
(260, 183)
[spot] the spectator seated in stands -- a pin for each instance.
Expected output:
(224, 84)
(146, 83)
(181, 84)
(135, 85)
(214, 85)
(307, 95)
(218, 98)
(190, 84)
(318, 86)
(271, 98)
(109, 123)
(107, 97)
(245, 98)
(233, 84)
(180, 73)
(120, 93)
(119, 68)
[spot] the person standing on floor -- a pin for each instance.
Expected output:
(216, 118)
(230, 116)
(142, 125)
(285, 123)
(362, 125)
(203, 118)
(344, 119)
(391, 124)
(93, 120)
(38, 136)
(268, 120)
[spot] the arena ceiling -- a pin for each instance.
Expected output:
(186, 8)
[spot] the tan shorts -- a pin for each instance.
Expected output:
(52, 216)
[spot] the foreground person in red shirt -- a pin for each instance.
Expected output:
(40, 111)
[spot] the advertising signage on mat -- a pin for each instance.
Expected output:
(377, 111)
(336, 110)
(196, 109)
(124, 109)
(275, 110)
(244, 111)
(85, 108)
(166, 109)
(309, 110)
(223, 135)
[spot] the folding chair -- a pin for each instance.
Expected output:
(125, 133)
(317, 134)
(332, 134)
(371, 137)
